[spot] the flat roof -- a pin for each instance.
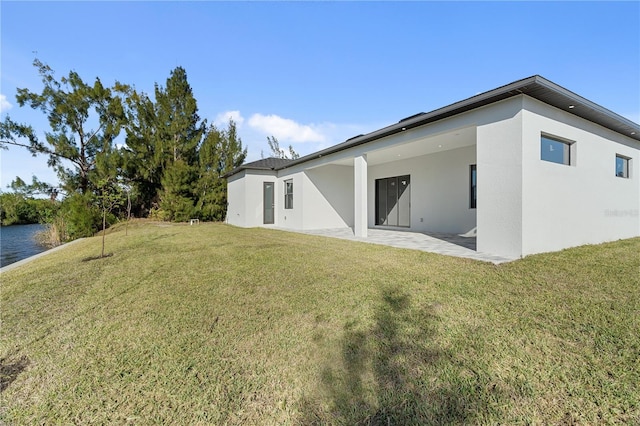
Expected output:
(535, 86)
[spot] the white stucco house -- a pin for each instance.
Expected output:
(528, 167)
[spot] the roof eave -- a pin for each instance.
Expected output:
(418, 120)
(524, 86)
(577, 105)
(241, 168)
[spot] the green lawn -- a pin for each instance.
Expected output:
(212, 324)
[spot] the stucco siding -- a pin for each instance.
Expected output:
(327, 197)
(236, 198)
(581, 203)
(245, 197)
(290, 218)
(499, 162)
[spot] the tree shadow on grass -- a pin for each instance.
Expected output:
(10, 370)
(394, 373)
(90, 258)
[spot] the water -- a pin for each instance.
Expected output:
(17, 242)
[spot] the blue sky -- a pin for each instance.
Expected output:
(316, 73)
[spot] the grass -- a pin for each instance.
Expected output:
(212, 324)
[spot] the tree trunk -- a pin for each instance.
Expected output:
(126, 227)
(104, 225)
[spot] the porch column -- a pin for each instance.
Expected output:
(360, 192)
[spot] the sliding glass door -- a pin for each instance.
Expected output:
(393, 201)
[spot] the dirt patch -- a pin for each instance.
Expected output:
(10, 370)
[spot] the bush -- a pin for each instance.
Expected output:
(55, 233)
(157, 213)
(79, 217)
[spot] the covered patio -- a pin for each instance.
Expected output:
(440, 243)
(433, 165)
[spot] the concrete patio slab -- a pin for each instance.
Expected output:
(441, 243)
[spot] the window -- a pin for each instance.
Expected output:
(472, 186)
(622, 166)
(288, 194)
(555, 151)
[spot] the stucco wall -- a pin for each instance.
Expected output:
(290, 218)
(583, 203)
(322, 198)
(245, 197)
(439, 190)
(328, 197)
(499, 159)
(236, 196)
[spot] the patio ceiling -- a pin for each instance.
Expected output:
(417, 147)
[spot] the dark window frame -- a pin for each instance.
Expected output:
(288, 195)
(473, 186)
(626, 172)
(568, 157)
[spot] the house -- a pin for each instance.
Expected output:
(528, 167)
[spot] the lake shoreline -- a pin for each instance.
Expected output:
(36, 256)
(19, 242)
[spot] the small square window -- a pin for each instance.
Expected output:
(288, 194)
(622, 166)
(555, 151)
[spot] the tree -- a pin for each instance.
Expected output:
(163, 138)
(127, 189)
(221, 152)
(177, 200)
(277, 152)
(109, 193)
(179, 133)
(71, 106)
(17, 209)
(21, 207)
(143, 162)
(174, 162)
(179, 128)
(108, 196)
(36, 187)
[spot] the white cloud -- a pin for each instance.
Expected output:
(305, 138)
(284, 129)
(4, 104)
(222, 119)
(331, 133)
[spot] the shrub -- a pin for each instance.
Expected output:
(54, 234)
(79, 217)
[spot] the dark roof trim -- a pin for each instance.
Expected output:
(271, 163)
(412, 117)
(354, 137)
(536, 87)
